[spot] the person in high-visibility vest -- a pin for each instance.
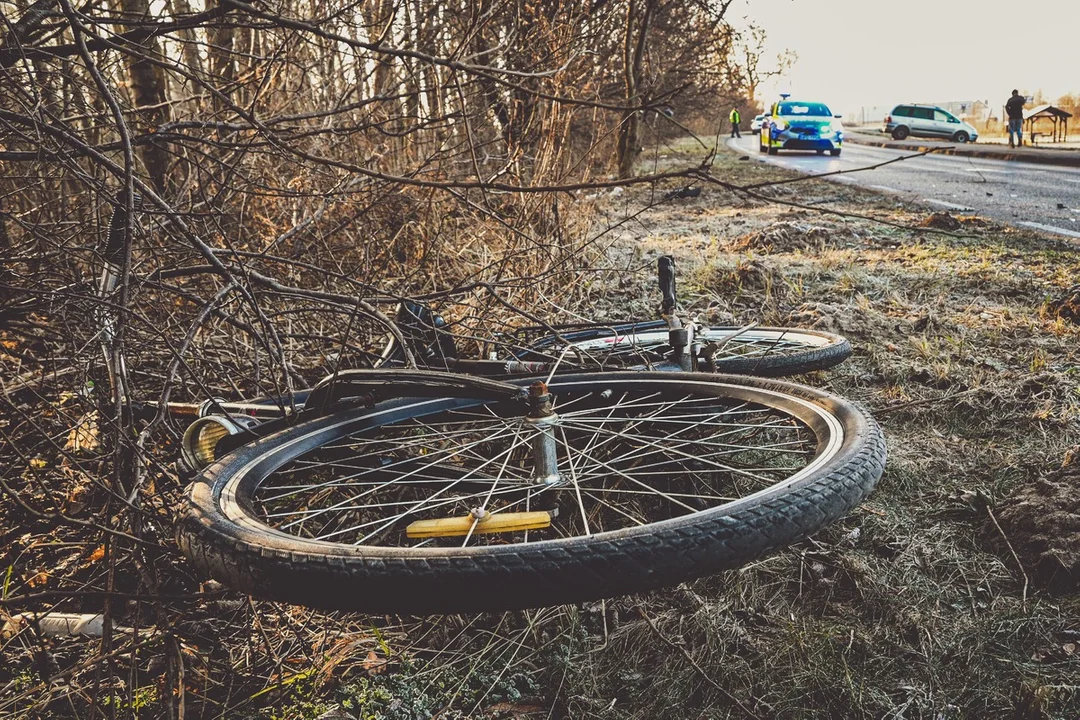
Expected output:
(734, 117)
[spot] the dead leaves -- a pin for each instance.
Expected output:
(1067, 307)
(373, 664)
(941, 221)
(38, 579)
(1056, 653)
(84, 436)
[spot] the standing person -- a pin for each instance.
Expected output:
(1014, 109)
(734, 117)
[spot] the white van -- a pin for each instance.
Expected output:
(928, 121)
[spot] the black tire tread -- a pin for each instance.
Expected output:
(539, 574)
(783, 365)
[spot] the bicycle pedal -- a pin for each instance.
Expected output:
(470, 524)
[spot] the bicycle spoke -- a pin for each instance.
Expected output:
(625, 458)
(649, 347)
(419, 505)
(380, 469)
(574, 481)
(451, 453)
(487, 500)
(688, 456)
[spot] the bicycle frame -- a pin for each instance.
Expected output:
(229, 424)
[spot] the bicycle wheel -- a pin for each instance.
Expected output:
(763, 351)
(633, 481)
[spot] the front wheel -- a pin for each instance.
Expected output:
(835, 152)
(762, 351)
(773, 150)
(961, 137)
(627, 482)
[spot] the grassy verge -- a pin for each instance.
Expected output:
(914, 606)
(937, 598)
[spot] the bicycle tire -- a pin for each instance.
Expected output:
(762, 351)
(224, 534)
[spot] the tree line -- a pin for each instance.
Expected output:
(370, 137)
(280, 174)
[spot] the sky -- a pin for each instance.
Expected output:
(854, 53)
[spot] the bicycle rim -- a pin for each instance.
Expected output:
(641, 460)
(761, 350)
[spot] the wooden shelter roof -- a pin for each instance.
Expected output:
(1046, 111)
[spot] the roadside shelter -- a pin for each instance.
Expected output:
(1058, 118)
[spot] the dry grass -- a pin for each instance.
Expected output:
(912, 607)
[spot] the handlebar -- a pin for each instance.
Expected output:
(114, 242)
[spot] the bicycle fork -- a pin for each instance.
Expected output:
(115, 253)
(541, 416)
(680, 336)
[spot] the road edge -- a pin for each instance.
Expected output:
(1065, 158)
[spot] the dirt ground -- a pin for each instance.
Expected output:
(952, 592)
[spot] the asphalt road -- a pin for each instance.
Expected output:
(1037, 196)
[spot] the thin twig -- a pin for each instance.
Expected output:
(924, 401)
(1023, 595)
(698, 668)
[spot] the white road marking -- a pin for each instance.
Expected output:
(1068, 170)
(884, 187)
(1006, 165)
(1051, 228)
(954, 206)
(869, 150)
(1069, 180)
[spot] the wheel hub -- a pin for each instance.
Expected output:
(542, 416)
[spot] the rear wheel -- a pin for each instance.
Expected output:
(901, 133)
(632, 481)
(762, 351)
(835, 152)
(773, 150)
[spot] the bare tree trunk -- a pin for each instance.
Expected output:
(412, 87)
(220, 62)
(634, 45)
(189, 49)
(5, 250)
(249, 44)
(426, 16)
(148, 92)
(379, 16)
